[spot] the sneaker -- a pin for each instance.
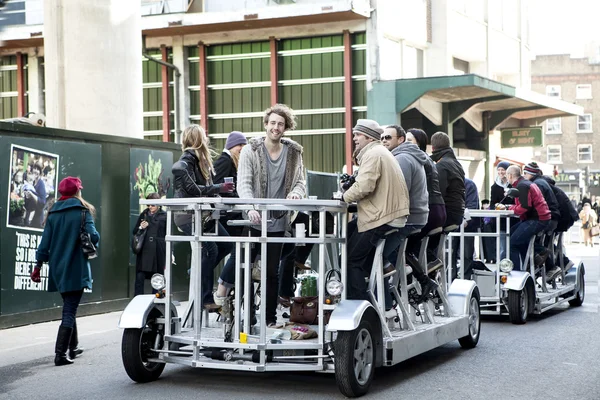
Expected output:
(541, 257)
(434, 265)
(388, 270)
(212, 307)
(219, 300)
(552, 274)
(302, 267)
(427, 288)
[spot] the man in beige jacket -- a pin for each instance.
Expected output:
(383, 204)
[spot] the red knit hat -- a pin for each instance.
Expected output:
(533, 168)
(69, 186)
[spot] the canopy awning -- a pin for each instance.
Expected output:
(445, 99)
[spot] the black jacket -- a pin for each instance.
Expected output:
(549, 196)
(152, 258)
(568, 213)
(452, 180)
(188, 181)
(224, 167)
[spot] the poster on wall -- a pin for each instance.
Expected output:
(32, 187)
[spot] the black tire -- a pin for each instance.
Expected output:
(518, 305)
(471, 340)
(580, 295)
(136, 349)
(355, 363)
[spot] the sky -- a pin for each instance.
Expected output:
(563, 26)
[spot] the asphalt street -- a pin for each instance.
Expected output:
(553, 356)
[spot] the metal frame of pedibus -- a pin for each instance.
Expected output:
(495, 301)
(215, 205)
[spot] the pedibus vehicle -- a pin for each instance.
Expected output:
(522, 293)
(154, 334)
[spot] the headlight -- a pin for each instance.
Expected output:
(157, 282)
(506, 265)
(334, 287)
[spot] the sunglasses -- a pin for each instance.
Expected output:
(387, 137)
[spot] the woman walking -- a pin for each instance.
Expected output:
(588, 220)
(193, 177)
(151, 259)
(69, 270)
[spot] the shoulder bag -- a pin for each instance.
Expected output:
(88, 248)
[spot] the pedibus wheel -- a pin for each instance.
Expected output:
(136, 350)
(471, 340)
(518, 306)
(580, 295)
(355, 367)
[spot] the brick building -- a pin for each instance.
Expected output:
(571, 143)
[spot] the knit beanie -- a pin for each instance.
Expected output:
(532, 168)
(503, 164)
(369, 128)
(234, 139)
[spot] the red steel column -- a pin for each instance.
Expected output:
(274, 84)
(203, 88)
(20, 86)
(166, 117)
(348, 99)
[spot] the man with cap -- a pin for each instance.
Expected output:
(452, 183)
(383, 204)
(497, 196)
(533, 173)
(534, 216)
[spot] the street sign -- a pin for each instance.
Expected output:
(521, 137)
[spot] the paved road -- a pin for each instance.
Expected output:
(554, 356)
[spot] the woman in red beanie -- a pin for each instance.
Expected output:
(69, 269)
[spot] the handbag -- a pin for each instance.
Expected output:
(137, 242)
(304, 310)
(88, 248)
(595, 231)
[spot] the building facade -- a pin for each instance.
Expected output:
(321, 57)
(571, 143)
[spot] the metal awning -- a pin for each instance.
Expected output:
(445, 99)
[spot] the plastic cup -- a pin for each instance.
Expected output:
(312, 197)
(228, 179)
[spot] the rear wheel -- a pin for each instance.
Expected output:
(355, 363)
(471, 340)
(580, 295)
(518, 305)
(137, 351)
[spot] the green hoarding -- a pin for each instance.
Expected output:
(522, 137)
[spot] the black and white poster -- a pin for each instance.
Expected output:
(33, 185)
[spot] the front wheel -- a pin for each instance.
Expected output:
(580, 295)
(518, 306)
(355, 362)
(471, 340)
(137, 349)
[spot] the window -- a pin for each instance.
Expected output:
(584, 153)
(553, 91)
(553, 126)
(584, 91)
(584, 123)
(554, 154)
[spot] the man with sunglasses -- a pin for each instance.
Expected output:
(411, 160)
(382, 202)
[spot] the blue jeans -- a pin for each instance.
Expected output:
(520, 236)
(70, 303)
(212, 254)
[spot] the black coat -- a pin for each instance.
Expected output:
(224, 167)
(452, 180)
(188, 181)
(152, 258)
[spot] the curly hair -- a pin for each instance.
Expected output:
(283, 111)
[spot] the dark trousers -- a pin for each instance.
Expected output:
(361, 252)
(272, 286)
(489, 243)
(290, 255)
(212, 254)
(436, 219)
(140, 278)
(520, 236)
(434, 241)
(469, 243)
(70, 303)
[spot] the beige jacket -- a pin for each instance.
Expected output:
(380, 188)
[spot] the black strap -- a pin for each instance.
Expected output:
(82, 227)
